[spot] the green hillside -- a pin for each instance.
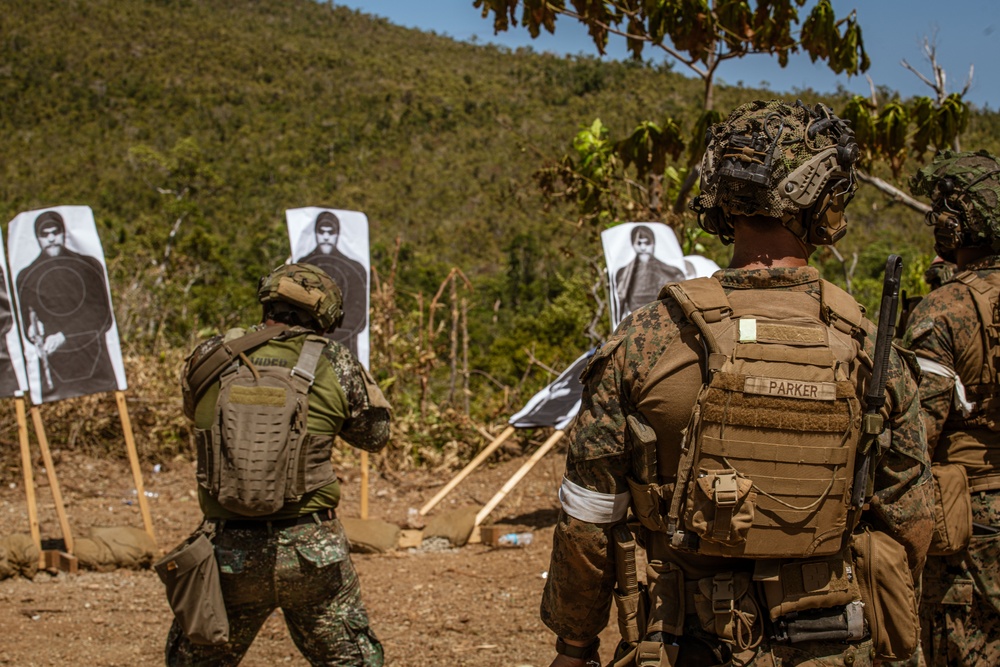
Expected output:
(212, 118)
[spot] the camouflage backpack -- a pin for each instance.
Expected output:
(252, 459)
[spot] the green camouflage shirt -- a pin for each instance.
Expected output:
(343, 401)
(577, 595)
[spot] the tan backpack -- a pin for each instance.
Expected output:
(769, 454)
(253, 463)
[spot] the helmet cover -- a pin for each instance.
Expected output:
(964, 189)
(307, 289)
(779, 160)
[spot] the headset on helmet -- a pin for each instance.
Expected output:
(964, 189)
(779, 160)
(306, 289)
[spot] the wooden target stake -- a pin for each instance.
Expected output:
(29, 477)
(514, 480)
(364, 484)
(473, 464)
(133, 459)
(50, 471)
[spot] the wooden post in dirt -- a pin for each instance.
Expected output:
(364, 484)
(133, 459)
(513, 481)
(29, 477)
(50, 471)
(473, 464)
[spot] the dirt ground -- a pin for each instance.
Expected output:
(471, 606)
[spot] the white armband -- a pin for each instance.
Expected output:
(591, 506)
(961, 403)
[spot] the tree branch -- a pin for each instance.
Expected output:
(893, 192)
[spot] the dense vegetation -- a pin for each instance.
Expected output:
(190, 126)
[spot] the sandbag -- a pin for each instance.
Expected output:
(108, 548)
(456, 526)
(370, 535)
(18, 556)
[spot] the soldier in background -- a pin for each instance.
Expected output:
(954, 333)
(296, 556)
(706, 606)
(937, 274)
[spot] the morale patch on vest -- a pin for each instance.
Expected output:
(790, 333)
(748, 330)
(813, 391)
(257, 395)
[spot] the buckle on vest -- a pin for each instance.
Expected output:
(723, 594)
(305, 375)
(726, 490)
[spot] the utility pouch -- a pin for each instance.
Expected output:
(632, 614)
(650, 503)
(194, 590)
(890, 605)
(666, 598)
(800, 585)
(952, 510)
(726, 608)
(720, 506)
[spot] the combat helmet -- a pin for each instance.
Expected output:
(307, 291)
(964, 189)
(779, 160)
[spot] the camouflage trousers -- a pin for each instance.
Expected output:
(960, 605)
(307, 572)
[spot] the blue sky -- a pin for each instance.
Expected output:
(967, 33)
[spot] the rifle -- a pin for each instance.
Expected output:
(872, 423)
(36, 333)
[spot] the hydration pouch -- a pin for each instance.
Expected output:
(890, 605)
(194, 590)
(952, 510)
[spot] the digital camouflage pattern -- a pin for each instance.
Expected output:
(777, 159)
(577, 597)
(964, 189)
(960, 606)
(304, 570)
(938, 273)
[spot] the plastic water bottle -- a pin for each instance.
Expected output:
(515, 540)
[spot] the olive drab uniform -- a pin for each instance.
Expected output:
(737, 455)
(265, 428)
(955, 333)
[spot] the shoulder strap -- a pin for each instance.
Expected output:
(207, 370)
(304, 372)
(839, 309)
(704, 302)
(984, 295)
